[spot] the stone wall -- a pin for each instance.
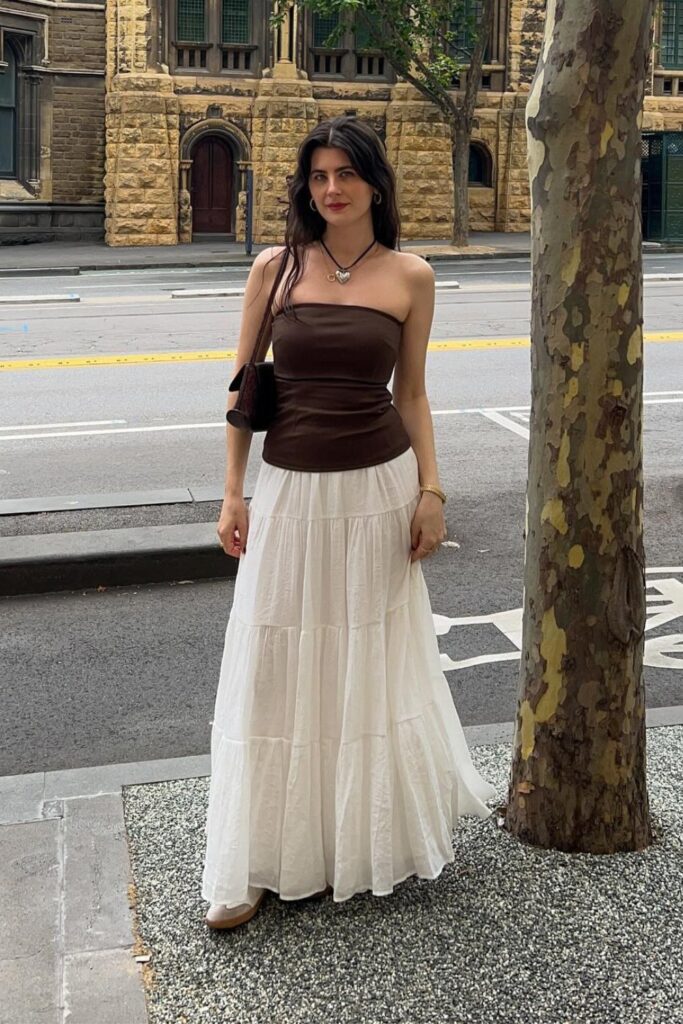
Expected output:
(142, 176)
(142, 183)
(419, 147)
(663, 115)
(525, 35)
(77, 39)
(283, 113)
(78, 142)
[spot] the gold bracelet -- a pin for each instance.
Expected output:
(435, 490)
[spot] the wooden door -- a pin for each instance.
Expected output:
(212, 186)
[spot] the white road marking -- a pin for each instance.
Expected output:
(113, 430)
(200, 293)
(504, 421)
(31, 299)
(165, 271)
(664, 601)
(480, 409)
(523, 412)
(78, 423)
(495, 414)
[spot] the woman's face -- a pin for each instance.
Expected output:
(339, 192)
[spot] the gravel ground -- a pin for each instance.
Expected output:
(506, 934)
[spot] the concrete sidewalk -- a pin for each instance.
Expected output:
(47, 258)
(76, 257)
(100, 897)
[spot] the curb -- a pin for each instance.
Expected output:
(25, 796)
(236, 261)
(40, 272)
(242, 260)
(46, 563)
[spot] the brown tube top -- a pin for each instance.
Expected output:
(334, 410)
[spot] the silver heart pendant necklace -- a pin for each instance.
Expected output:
(342, 274)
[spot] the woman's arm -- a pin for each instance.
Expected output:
(409, 392)
(233, 522)
(410, 398)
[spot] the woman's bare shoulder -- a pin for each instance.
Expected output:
(415, 275)
(412, 265)
(268, 255)
(265, 265)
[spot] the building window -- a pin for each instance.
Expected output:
(480, 167)
(671, 41)
(8, 114)
(323, 27)
(349, 55)
(191, 21)
(22, 44)
(216, 36)
(236, 27)
(463, 27)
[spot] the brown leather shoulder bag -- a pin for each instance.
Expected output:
(256, 403)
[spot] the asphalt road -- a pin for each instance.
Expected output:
(155, 418)
(130, 674)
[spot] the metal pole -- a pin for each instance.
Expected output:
(250, 211)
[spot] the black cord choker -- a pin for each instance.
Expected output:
(344, 273)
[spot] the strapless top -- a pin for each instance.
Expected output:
(332, 365)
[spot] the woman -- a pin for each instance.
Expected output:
(338, 760)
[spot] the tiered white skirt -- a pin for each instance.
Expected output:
(337, 755)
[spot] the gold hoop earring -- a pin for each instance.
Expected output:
(312, 205)
(377, 197)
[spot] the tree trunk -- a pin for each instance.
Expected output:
(460, 140)
(461, 127)
(578, 774)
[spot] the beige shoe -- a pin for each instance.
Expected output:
(221, 917)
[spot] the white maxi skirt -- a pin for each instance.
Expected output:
(337, 755)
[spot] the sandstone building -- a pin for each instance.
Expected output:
(52, 98)
(137, 120)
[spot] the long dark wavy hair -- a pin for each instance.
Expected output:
(368, 158)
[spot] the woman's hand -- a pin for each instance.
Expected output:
(233, 525)
(428, 527)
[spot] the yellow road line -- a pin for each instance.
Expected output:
(209, 355)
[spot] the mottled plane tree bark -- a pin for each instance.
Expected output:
(578, 775)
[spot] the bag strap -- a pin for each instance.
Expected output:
(269, 304)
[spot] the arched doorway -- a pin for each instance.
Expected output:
(212, 186)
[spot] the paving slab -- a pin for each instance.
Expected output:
(103, 988)
(21, 797)
(30, 887)
(70, 783)
(96, 875)
(28, 988)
